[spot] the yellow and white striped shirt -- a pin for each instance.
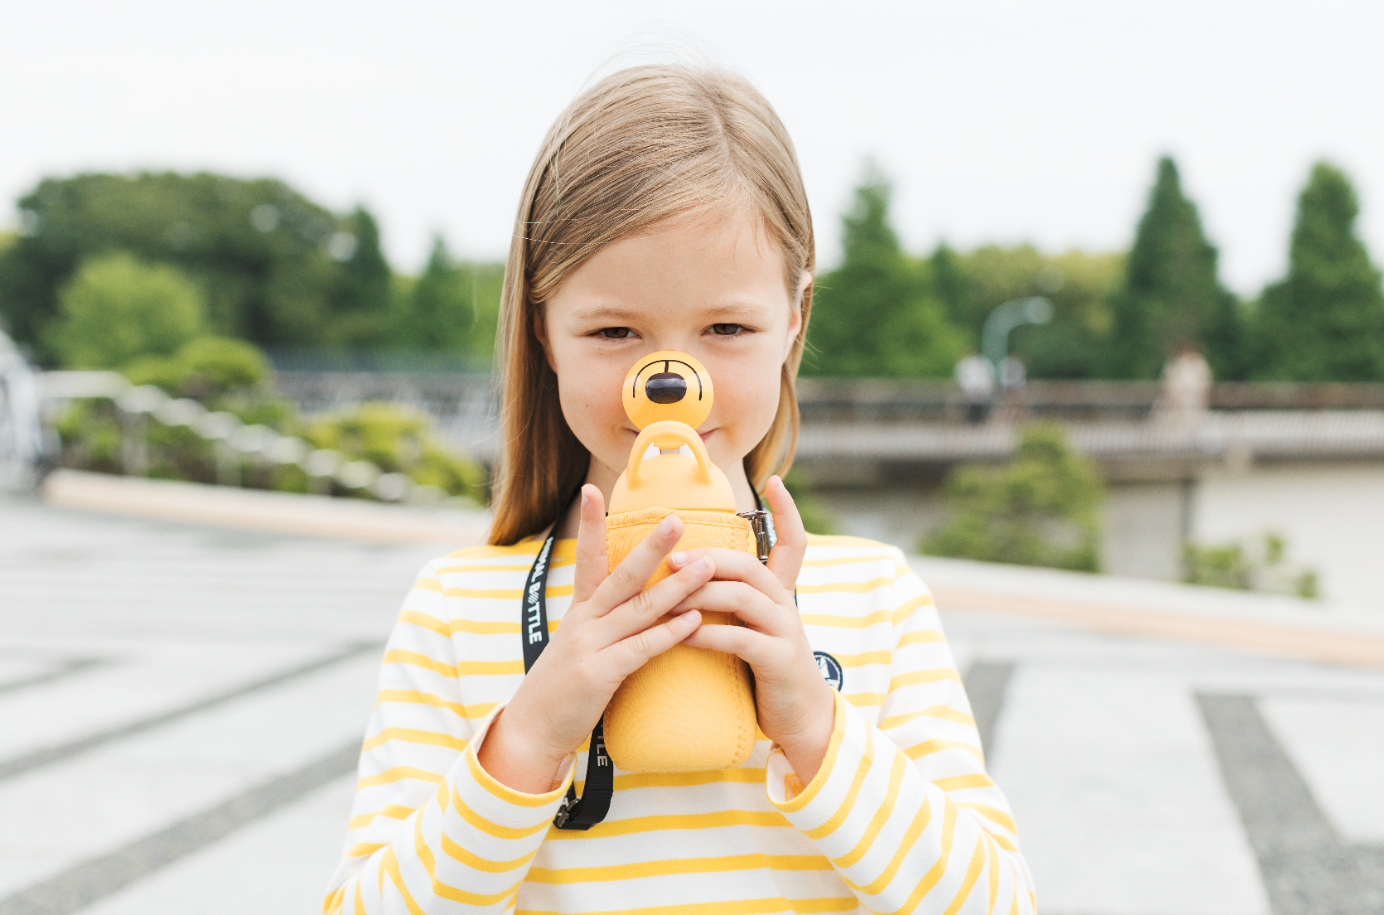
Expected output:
(900, 818)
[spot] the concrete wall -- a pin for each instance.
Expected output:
(1331, 515)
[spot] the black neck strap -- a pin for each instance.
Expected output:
(589, 809)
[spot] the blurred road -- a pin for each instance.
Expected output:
(182, 706)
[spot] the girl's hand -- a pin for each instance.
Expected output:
(795, 705)
(611, 629)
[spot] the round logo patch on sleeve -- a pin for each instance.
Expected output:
(830, 668)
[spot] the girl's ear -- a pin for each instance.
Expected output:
(540, 331)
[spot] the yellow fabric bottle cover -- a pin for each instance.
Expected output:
(689, 709)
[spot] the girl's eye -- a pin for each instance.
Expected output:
(727, 330)
(613, 333)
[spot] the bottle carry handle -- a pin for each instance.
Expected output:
(668, 432)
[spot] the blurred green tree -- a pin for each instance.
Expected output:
(117, 308)
(1078, 284)
(876, 315)
(276, 268)
(364, 282)
(452, 306)
(1325, 320)
(1040, 509)
(1171, 294)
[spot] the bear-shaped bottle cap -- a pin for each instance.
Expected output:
(667, 395)
(667, 385)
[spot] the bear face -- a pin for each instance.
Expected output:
(667, 385)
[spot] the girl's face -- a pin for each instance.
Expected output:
(707, 284)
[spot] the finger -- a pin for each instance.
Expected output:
(734, 565)
(754, 648)
(751, 607)
(629, 654)
(668, 596)
(634, 571)
(786, 559)
(592, 566)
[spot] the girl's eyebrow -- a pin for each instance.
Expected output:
(605, 313)
(614, 314)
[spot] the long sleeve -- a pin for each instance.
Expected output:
(430, 830)
(903, 808)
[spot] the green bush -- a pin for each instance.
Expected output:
(1040, 509)
(204, 369)
(399, 440)
(1257, 567)
(117, 308)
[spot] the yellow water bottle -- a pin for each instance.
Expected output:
(689, 709)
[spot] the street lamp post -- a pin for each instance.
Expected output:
(994, 337)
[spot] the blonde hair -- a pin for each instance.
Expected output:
(640, 146)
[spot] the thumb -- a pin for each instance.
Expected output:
(592, 566)
(786, 559)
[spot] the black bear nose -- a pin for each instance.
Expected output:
(665, 387)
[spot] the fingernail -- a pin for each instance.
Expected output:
(585, 497)
(703, 565)
(665, 526)
(677, 557)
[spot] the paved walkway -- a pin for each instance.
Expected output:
(183, 704)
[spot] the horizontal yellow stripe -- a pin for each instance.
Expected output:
(932, 711)
(995, 814)
(410, 735)
(862, 700)
(846, 560)
(492, 829)
(333, 902)
(666, 867)
(841, 540)
(522, 548)
(479, 710)
(361, 849)
(865, 657)
(398, 774)
(556, 563)
(937, 745)
(892, 617)
(919, 635)
(424, 621)
(914, 677)
(847, 587)
(475, 862)
(957, 782)
(490, 668)
(429, 584)
(393, 811)
(484, 627)
(464, 669)
(741, 775)
(636, 825)
(505, 593)
(415, 659)
(739, 907)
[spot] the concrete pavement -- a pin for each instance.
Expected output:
(182, 706)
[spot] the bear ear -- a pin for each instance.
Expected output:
(680, 385)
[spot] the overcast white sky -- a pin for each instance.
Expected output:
(999, 121)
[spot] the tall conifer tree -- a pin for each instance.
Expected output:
(875, 315)
(1171, 295)
(1325, 320)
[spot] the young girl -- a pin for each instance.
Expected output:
(666, 211)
